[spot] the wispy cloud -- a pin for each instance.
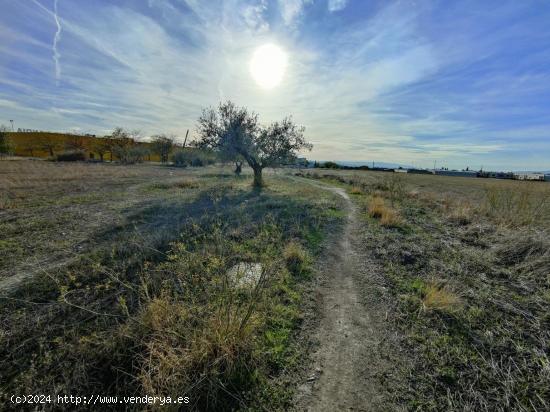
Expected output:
(291, 10)
(336, 5)
(254, 16)
(56, 39)
(390, 81)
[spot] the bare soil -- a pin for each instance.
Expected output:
(351, 354)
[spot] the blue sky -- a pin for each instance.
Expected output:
(466, 83)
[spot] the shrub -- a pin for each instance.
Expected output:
(181, 158)
(71, 156)
(197, 162)
(194, 158)
(137, 154)
(331, 165)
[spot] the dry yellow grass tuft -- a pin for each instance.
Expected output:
(296, 258)
(387, 215)
(438, 297)
(390, 218)
(355, 190)
(377, 207)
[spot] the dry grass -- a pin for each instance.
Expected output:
(390, 218)
(518, 204)
(461, 214)
(147, 305)
(485, 349)
(394, 184)
(439, 297)
(377, 207)
(379, 210)
(49, 211)
(296, 258)
(355, 190)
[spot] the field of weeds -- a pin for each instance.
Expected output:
(121, 280)
(467, 263)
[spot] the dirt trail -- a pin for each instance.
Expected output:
(350, 331)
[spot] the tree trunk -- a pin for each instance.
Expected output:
(238, 168)
(258, 181)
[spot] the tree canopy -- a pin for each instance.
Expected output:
(5, 144)
(235, 132)
(162, 145)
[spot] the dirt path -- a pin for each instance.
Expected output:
(349, 334)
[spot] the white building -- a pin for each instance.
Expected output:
(529, 176)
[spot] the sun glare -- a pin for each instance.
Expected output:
(268, 65)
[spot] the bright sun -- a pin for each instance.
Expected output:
(268, 65)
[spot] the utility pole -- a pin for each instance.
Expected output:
(11, 121)
(435, 163)
(185, 141)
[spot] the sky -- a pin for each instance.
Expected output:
(461, 83)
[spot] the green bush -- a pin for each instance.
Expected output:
(181, 158)
(331, 165)
(194, 158)
(71, 156)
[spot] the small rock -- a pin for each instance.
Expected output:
(245, 274)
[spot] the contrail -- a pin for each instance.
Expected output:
(56, 39)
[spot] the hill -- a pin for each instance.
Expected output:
(50, 144)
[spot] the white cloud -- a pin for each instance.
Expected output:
(253, 15)
(291, 10)
(155, 72)
(336, 5)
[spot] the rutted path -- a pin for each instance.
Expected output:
(350, 331)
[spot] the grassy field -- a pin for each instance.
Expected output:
(467, 263)
(115, 280)
(124, 280)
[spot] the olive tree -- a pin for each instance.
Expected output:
(235, 132)
(162, 145)
(101, 146)
(121, 143)
(5, 143)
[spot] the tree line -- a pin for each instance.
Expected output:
(122, 145)
(232, 133)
